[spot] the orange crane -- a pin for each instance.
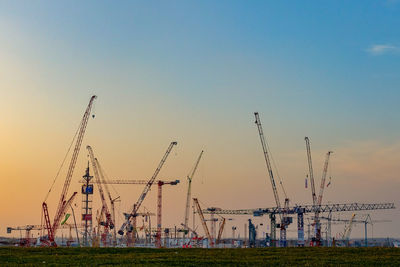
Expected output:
(203, 222)
(221, 230)
(189, 190)
(146, 189)
(63, 203)
(109, 223)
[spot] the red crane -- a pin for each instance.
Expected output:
(159, 202)
(203, 222)
(63, 203)
(146, 189)
(159, 209)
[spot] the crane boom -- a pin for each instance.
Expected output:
(347, 231)
(112, 200)
(103, 180)
(189, 191)
(62, 205)
(221, 230)
(146, 188)
(267, 161)
(109, 222)
(311, 172)
(321, 190)
(203, 221)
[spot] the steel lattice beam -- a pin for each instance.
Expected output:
(308, 209)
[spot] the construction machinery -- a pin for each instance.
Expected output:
(317, 240)
(301, 210)
(25, 241)
(63, 203)
(104, 181)
(319, 201)
(311, 172)
(189, 190)
(252, 235)
(203, 222)
(347, 230)
(367, 220)
(221, 230)
(146, 189)
(159, 183)
(109, 223)
(159, 209)
(285, 220)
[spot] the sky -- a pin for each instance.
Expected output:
(195, 72)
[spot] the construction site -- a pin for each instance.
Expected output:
(89, 218)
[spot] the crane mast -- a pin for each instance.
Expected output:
(189, 191)
(267, 161)
(146, 189)
(311, 172)
(62, 205)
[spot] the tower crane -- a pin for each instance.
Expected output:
(189, 190)
(159, 209)
(146, 189)
(63, 203)
(160, 184)
(203, 221)
(109, 223)
(284, 219)
(25, 242)
(319, 202)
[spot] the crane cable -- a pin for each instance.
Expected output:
(62, 164)
(276, 169)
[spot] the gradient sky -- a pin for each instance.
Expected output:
(195, 72)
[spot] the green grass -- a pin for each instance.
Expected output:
(10, 256)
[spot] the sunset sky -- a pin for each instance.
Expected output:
(194, 72)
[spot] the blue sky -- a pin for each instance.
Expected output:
(309, 57)
(197, 71)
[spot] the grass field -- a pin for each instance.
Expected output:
(199, 257)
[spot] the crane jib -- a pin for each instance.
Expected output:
(146, 189)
